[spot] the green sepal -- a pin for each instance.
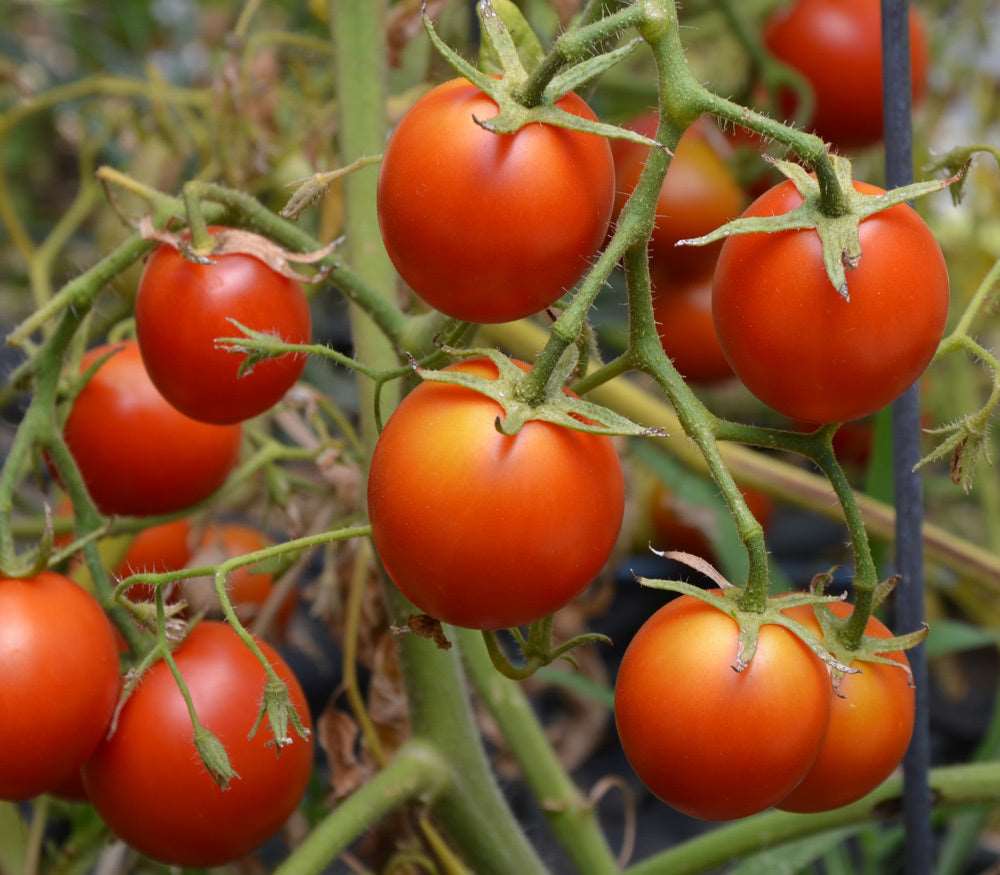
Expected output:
(751, 622)
(957, 161)
(558, 407)
(839, 235)
(279, 708)
(213, 756)
(505, 29)
(512, 117)
(487, 84)
(255, 352)
(586, 71)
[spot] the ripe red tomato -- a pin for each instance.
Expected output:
(138, 455)
(182, 307)
(799, 346)
(675, 526)
(488, 227)
(683, 310)
(58, 682)
(870, 727)
(159, 548)
(148, 783)
(484, 530)
(248, 589)
(837, 46)
(698, 195)
(711, 742)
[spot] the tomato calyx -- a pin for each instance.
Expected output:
(235, 241)
(536, 648)
(839, 235)
(278, 707)
(868, 649)
(558, 406)
(513, 114)
(727, 600)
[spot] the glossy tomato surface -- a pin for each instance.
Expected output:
(798, 345)
(837, 46)
(148, 784)
(871, 722)
(489, 227)
(182, 307)
(165, 547)
(484, 530)
(138, 455)
(698, 195)
(708, 741)
(248, 588)
(683, 310)
(58, 682)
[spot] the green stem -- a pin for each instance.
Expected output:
(569, 813)
(36, 836)
(201, 240)
(416, 772)
(614, 368)
(575, 44)
(952, 785)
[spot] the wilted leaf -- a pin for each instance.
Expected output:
(337, 734)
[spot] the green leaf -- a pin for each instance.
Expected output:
(953, 636)
(792, 857)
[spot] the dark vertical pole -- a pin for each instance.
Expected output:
(906, 452)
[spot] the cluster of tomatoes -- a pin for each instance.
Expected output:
(173, 402)
(477, 528)
(486, 530)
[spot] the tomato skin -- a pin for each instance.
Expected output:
(138, 455)
(182, 307)
(698, 195)
(683, 311)
(58, 682)
(148, 783)
(837, 46)
(484, 530)
(870, 727)
(487, 227)
(708, 741)
(804, 350)
(248, 588)
(165, 547)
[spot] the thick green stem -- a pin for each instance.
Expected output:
(569, 813)
(416, 772)
(952, 786)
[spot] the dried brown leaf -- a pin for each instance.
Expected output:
(427, 627)
(387, 702)
(337, 734)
